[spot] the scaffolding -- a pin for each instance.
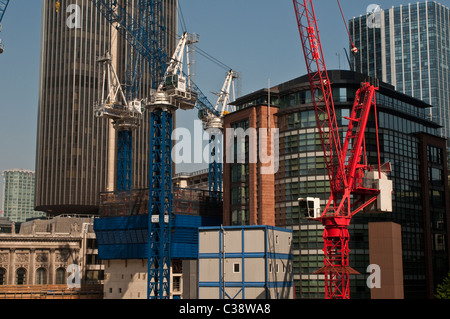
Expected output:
(185, 201)
(122, 229)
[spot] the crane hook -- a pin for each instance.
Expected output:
(57, 6)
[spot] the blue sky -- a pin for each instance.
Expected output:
(258, 38)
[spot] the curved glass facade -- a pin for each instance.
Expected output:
(302, 173)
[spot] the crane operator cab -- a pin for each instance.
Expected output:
(176, 82)
(309, 207)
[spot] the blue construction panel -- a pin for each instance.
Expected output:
(122, 222)
(185, 236)
(122, 237)
(122, 251)
(184, 251)
(126, 237)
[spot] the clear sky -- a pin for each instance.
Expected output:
(258, 38)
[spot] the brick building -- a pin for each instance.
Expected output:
(249, 195)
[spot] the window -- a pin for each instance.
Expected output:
(177, 283)
(20, 276)
(41, 276)
(2, 276)
(236, 268)
(60, 276)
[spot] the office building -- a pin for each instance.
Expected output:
(18, 195)
(421, 206)
(75, 157)
(409, 47)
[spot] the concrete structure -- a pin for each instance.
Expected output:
(41, 252)
(192, 180)
(245, 262)
(421, 194)
(18, 195)
(127, 279)
(75, 153)
(408, 47)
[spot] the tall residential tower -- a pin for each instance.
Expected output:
(75, 158)
(409, 47)
(18, 195)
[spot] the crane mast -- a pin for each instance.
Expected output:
(213, 124)
(171, 90)
(144, 31)
(354, 184)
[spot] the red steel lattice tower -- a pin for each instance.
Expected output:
(350, 192)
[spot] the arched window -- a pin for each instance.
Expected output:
(41, 276)
(60, 276)
(2, 276)
(21, 276)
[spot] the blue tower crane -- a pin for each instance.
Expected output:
(3, 6)
(174, 90)
(213, 124)
(120, 101)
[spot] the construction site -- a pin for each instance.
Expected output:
(351, 199)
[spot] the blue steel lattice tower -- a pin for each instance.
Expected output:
(145, 32)
(171, 90)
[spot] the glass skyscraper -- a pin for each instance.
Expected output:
(409, 47)
(18, 195)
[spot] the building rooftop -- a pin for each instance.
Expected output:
(337, 78)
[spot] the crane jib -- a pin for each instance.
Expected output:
(354, 186)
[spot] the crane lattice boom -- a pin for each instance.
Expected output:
(3, 6)
(350, 190)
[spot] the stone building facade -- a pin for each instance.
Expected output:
(44, 251)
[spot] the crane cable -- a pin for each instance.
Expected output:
(354, 48)
(200, 51)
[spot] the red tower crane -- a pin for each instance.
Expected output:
(354, 184)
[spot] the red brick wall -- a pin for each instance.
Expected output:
(261, 186)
